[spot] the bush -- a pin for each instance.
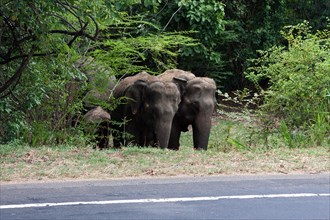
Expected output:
(298, 78)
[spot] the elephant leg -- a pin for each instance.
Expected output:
(124, 132)
(201, 131)
(134, 133)
(174, 142)
(149, 138)
(103, 135)
(116, 132)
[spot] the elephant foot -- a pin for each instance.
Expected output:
(98, 147)
(200, 148)
(116, 147)
(173, 148)
(102, 143)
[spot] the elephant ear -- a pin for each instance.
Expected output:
(193, 93)
(180, 80)
(181, 84)
(134, 94)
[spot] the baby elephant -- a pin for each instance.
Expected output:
(98, 118)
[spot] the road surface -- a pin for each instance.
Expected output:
(222, 197)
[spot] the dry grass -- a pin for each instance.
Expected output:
(19, 164)
(85, 163)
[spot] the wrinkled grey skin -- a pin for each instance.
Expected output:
(97, 115)
(196, 108)
(179, 77)
(149, 110)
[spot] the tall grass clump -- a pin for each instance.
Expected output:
(297, 79)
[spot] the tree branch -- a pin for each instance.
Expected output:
(15, 78)
(16, 38)
(24, 56)
(77, 35)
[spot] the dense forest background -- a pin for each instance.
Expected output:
(59, 57)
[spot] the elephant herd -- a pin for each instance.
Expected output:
(154, 110)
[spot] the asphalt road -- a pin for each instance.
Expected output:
(223, 197)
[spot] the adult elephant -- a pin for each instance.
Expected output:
(148, 111)
(196, 107)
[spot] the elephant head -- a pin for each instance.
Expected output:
(160, 104)
(126, 116)
(97, 122)
(149, 110)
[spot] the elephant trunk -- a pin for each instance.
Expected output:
(174, 142)
(201, 131)
(163, 131)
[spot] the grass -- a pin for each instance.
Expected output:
(236, 147)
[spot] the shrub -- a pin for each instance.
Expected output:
(298, 78)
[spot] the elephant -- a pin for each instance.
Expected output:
(94, 90)
(98, 119)
(196, 107)
(148, 111)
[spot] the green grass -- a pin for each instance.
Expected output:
(235, 147)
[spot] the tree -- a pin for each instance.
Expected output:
(255, 25)
(202, 20)
(36, 29)
(41, 85)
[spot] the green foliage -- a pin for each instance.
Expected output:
(153, 53)
(64, 70)
(43, 89)
(40, 41)
(201, 20)
(299, 81)
(255, 25)
(43, 104)
(206, 17)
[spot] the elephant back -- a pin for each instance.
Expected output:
(97, 115)
(125, 83)
(168, 75)
(204, 82)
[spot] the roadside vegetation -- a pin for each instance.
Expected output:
(270, 60)
(230, 152)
